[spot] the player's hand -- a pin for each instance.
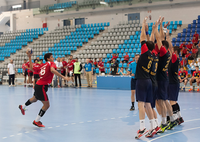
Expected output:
(162, 19)
(167, 34)
(166, 25)
(153, 27)
(146, 28)
(66, 78)
(28, 54)
(132, 74)
(145, 19)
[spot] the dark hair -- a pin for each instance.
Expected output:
(137, 55)
(24, 59)
(35, 60)
(150, 45)
(165, 43)
(46, 56)
(181, 67)
(76, 57)
(177, 48)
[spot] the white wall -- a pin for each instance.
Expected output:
(4, 28)
(47, 2)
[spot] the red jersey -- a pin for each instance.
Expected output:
(46, 75)
(182, 74)
(24, 66)
(114, 57)
(101, 64)
(95, 63)
(197, 36)
(28, 65)
(189, 46)
(64, 65)
(184, 51)
(36, 68)
(194, 40)
(183, 63)
(194, 50)
(73, 61)
(70, 66)
(91, 61)
(196, 74)
(187, 55)
(126, 57)
(182, 45)
(130, 62)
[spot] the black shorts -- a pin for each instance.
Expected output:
(36, 76)
(30, 73)
(194, 81)
(162, 90)
(173, 91)
(184, 79)
(154, 91)
(25, 73)
(64, 73)
(133, 83)
(68, 75)
(102, 71)
(40, 92)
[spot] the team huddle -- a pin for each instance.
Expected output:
(155, 80)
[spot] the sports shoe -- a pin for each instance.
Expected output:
(198, 90)
(132, 108)
(39, 124)
(163, 127)
(190, 90)
(180, 120)
(158, 130)
(141, 133)
(184, 89)
(172, 125)
(22, 110)
(151, 133)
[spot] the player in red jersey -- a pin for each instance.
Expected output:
(195, 78)
(36, 71)
(47, 72)
(183, 77)
(101, 66)
(72, 60)
(30, 74)
(63, 69)
(25, 71)
(70, 67)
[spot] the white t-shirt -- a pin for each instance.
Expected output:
(11, 68)
(58, 64)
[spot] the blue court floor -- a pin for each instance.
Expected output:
(87, 115)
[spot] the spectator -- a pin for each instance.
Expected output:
(88, 72)
(63, 69)
(183, 62)
(192, 66)
(126, 57)
(183, 77)
(114, 56)
(183, 45)
(196, 36)
(198, 63)
(101, 66)
(72, 60)
(188, 54)
(114, 67)
(25, 71)
(38, 59)
(59, 66)
(122, 72)
(194, 41)
(69, 72)
(131, 61)
(11, 73)
(95, 62)
(195, 78)
(195, 51)
(183, 51)
(90, 60)
(77, 72)
(189, 46)
(41, 62)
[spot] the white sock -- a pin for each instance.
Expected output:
(198, 87)
(156, 122)
(37, 118)
(164, 120)
(191, 87)
(179, 114)
(152, 126)
(183, 86)
(172, 118)
(142, 124)
(23, 106)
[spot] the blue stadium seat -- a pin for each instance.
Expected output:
(125, 65)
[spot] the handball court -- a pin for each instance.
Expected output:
(87, 115)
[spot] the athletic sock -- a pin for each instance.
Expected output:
(142, 124)
(41, 113)
(26, 104)
(198, 87)
(191, 87)
(172, 118)
(178, 110)
(156, 122)
(152, 125)
(164, 120)
(183, 86)
(132, 103)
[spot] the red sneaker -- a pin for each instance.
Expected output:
(141, 133)
(151, 133)
(198, 90)
(158, 130)
(39, 124)
(190, 90)
(180, 120)
(22, 110)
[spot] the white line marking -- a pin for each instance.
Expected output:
(19, 134)
(197, 108)
(73, 123)
(57, 126)
(175, 133)
(184, 109)
(120, 117)
(4, 137)
(112, 118)
(27, 132)
(65, 124)
(81, 122)
(89, 121)
(12, 135)
(105, 119)
(192, 120)
(49, 127)
(97, 120)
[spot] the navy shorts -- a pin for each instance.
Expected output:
(154, 94)
(162, 90)
(144, 90)
(173, 91)
(133, 83)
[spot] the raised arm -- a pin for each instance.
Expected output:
(30, 61)
(152, 38)
(146, 31)
(143, 33)
(170, 43)
(162, 34)
(157, 34)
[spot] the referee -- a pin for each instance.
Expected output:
(131, 71)
(114, 67)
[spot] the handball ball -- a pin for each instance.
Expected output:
(29, 50)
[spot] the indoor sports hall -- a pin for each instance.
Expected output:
(99, 70)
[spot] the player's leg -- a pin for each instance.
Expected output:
(197, 85)
(79, 77)
(76, 84)
(28, 102)
(133, 85)
(192, 80)
(25, 79)
(72, 78)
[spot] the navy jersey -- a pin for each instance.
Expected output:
(154, 68)
(144, 63)
(164, 59)
(173, 70)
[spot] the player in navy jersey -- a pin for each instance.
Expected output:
(47, 72)
(144, 84)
